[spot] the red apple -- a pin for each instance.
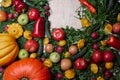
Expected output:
(31, 46)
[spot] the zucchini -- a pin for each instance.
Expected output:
(47, 28)
(79, 54)
(93, 28)
(117, 58)
(40, 49)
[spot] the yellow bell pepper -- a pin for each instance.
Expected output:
(48, 63)
(67, 54)
(108, 28)
(62, 43)
(118, 17)
(94, 68)
(85, 22)
(46, 40)
(70, 73)
(27, 34)
(109, 65)
(100, 78)
(103, 43)
(81, 43)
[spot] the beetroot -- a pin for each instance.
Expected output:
(59, 49)
(95, 46)
(59, 76)
(94, 35)
(107, 74)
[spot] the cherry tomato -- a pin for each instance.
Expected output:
(81, 63)
(73, 50)
(33, 14)
(108, 56)
(3, 16)
(97, 56)
(49, 48)
(58, 34)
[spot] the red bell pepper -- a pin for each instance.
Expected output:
(114, 42)
(21, 7)
(39, 28)
(88, 5)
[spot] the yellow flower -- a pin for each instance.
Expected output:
(103, 43)
(15, 29)
(48, 63)
(85, 22)
(108, 28)
(46, 40)
(100, 78)
(118, 17)
(81, 43)
(27, 34)
(62, 43)
(109, 65)
(67, 54)
(94, 68)
(70, 74)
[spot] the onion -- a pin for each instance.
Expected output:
(116, 28)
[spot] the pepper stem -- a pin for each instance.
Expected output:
(24, 78)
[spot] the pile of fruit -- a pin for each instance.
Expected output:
(29, 49)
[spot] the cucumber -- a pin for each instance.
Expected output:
(40, 49)
(110, 5)
(79, 54)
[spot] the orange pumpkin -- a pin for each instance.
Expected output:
(27, 69)
(8, 49)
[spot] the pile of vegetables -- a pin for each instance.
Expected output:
(29, 49)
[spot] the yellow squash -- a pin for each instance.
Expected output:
(8, 49)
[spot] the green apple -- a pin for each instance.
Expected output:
(23, 54)
(54, 57)
(23, 19)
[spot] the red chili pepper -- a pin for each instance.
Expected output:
(21, 7)
(114, 42)
(88, 5)
(39, 28)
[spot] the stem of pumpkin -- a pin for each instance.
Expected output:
(24, 78)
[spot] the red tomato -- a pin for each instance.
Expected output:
(3, 16)
(81, 63)
(66, 64)
(58, 34)
(108, 56)
(16, 2)
(33, 14)
(31, 46)
(97, 56)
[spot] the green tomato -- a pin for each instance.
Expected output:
(23, 19)
(23, 54)
(54, 57)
